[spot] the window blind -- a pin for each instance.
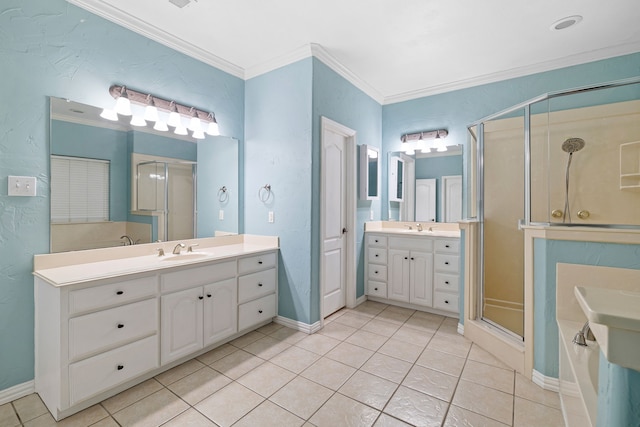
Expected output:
(79, 189)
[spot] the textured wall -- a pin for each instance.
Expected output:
(51, 48)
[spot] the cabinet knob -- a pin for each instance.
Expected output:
(412, 258)
(375, 289)
(119, 292)
(376, 240)
(260, 262)
(376, 271)
(208, 295)
(377, 255)
(260, 311)
(406, 258)
(446, 282)
(200, 297)
(446, 263)
(446, 246)
(120, 367)
(120, 326)
(259, 284)
(446, 301)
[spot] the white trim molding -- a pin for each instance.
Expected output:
(17, 391)
(299, 326)
(461, 328)
(547, 383)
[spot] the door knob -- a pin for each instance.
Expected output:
(344, 230)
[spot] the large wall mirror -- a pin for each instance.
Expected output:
(430, 184)
(113, 184)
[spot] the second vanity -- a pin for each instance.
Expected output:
(415, 266)
(116, 317)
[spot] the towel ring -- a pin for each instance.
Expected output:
(264, 193)
(223, 194)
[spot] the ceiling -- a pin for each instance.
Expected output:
(393, 50)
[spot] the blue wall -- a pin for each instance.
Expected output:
(618, 395)
(52, 48)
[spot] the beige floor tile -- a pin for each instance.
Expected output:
(401, 350)
(387, 367)
(385, 420)
(395, 315)
(429, 316)
(266, 379)
(490, 376)
(44, 420)
(269, 414)
(228, 405)
(457, 417)
(353, 319)
(451, 322)
(87, 417)
(343, 411)
(485, 401)
(369, 308)
(237, 364)
(319, 344)
(478, 354)
(335, 315)
(416, 408)
(247, 339)
(217, 353)
(180, 371)
(423, 322)
(413, 336)
(199, 385)
(381, 327)
(189, 418)
(440, 361)
(349, 354)
(528, 390)
(456, 347)
(433, 383)
(368, 340)
(302, 397)
(369, 389)
(328, 373)
(288, 335)
(131, 395)
(153, 410)
(532, 414)
(269, 328)
(106, 422)
(267, 347)
(295, 359)
(8, 416)
(402, 310)
(337, 331)
(29, 407)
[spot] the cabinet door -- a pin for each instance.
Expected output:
(220, 311)
(181, 323)
(398, 286)
(421, 282)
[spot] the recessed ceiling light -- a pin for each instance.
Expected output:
(564, 23)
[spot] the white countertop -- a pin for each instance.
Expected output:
(60, 270)
(612, 307)
(429, 229)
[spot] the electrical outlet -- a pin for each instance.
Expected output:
(221, 215)
(271, 219)
(22, 186)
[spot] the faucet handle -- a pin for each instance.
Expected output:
(160, 251)
(190, 248)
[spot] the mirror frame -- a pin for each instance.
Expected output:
(368, 152)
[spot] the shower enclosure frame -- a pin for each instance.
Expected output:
(525, 107)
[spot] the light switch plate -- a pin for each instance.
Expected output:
(22, 186)
(271, 219)
(221, 215)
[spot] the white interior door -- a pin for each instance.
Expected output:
(426, 200)
(452, 198)
(337, 209)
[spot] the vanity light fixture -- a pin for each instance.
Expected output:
(200, 121)
(418, 140)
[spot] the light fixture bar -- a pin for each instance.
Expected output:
(145, 99)
(430, 134)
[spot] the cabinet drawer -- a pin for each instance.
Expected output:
(377, 255)
(446, 263)
(445, 301)
(377, 272)
(112, 327)
(253, 312)
(446, 282)
(377, 289)
(257, 262)
(448, 246)
(256, 285)
(380, 241)
(420, 243)
(112, 294)
(98, 373)
(197, 276)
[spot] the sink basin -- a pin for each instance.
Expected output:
(185, 257)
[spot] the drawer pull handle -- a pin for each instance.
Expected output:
(446, 263)
(260, 262)
(120, 326)
(260, 311)
(208, 295)
(120, 367)
(119, 292)
(446, 301)
(200, 297)
(260, 284)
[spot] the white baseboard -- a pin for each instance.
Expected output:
(460, 328)
(360, 300)
(300, 326)
(547, 383)
(17, 391)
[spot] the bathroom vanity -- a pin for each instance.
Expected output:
(108, 319)
(415, 267)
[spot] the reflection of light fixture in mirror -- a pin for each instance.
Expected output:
(213, 128)
(109, 115)
(194, 123)
(180, 130)
(174, 116)
(421, 145)
(439, 144)
(150, 111)
(137, 121)
(123, 105)
(160, 126)
(198, 134)
(423, 141)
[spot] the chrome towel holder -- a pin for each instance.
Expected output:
(264, 193)
(223, 194)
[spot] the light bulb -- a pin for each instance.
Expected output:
(421, 145)
(440, 145)
(198, 134)
(180, 130)
(174, 119)
(109, 115)
(137, 121)
(161, 126)
(123, 106)
(151, 113)
(194, 124)
(213, 128)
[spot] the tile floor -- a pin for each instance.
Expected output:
(374, 365)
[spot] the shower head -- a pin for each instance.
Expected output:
(572, 145)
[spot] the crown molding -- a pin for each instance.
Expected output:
(568, 61)
(273, 64)
(113, 14)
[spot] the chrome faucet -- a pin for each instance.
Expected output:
(584, 333)
(129, 240)
(419, 226)
(190, 248)
(176, 250)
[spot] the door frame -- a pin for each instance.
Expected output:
(351, 181)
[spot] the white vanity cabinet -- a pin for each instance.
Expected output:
(376, 270)
(410, 270)
(446, 274)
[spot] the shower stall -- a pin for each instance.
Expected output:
(569, 158)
